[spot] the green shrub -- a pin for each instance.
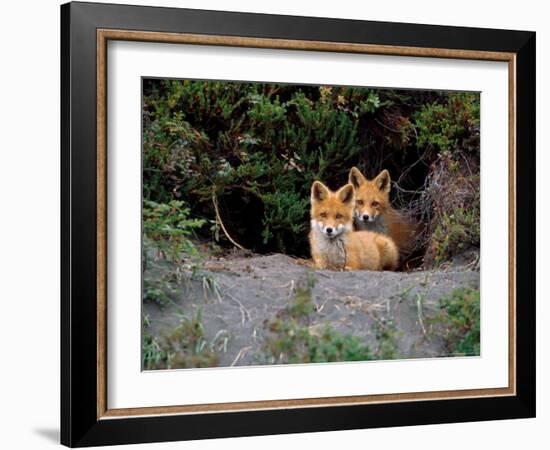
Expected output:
(156, 291)
(460, 317)
(387, 342)
(449, 132)
(450, 126)
(152, 354)
(453, 200)
(169, 228)
(293, 340)
(455, 232)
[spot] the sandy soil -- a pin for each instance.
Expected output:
(254, 289)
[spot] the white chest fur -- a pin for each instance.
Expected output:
(332, 249)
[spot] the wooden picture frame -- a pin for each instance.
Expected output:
(86, 418)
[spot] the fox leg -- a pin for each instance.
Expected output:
(319, 262)
(352, 262)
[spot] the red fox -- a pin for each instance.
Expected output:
(373, 210)
(334, 244)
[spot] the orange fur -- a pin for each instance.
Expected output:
(373, 210)
(334, 244)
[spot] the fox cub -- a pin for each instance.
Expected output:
(373, 210)
(334, 244)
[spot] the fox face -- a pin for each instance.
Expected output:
(372, 197)
(332, 212)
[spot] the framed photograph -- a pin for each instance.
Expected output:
(277, 224)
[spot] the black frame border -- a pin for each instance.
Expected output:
(79, 423)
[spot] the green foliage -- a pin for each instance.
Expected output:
(185, 347)
(386, 335)
(292, 340)
(162, 281)
(256, 147)
(156, 291)
(169, 227)
(456, 230)
(253, 150)
(334, 346)
(302, 305)
(460, 316)
(456, 211)
(370, 104)
(210, 286)
(450, 130)
(449, 126)
(152, 354)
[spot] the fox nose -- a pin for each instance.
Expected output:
(365, 217)
(329, 230)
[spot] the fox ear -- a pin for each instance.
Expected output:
(356, 177)
(346, 194)
(383, 181)
(319, 191)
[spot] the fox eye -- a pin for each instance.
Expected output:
(323, 215)
(360, 202)
(339, 216)
(375, 204)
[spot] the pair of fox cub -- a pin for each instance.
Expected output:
(355, 227)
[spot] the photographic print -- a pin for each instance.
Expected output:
(293, 224)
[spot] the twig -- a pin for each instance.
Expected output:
(242, 351)
(320, 308)
(408, 191)
(405, 293)
(419, 309)
(408, 169)
(230, 287)
(244, 312)
(386, 127)
(219, 220)
(284, 285)
(292, 288)
(474, 264)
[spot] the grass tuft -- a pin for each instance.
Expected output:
(184, 347)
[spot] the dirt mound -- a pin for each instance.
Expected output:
(238, 296)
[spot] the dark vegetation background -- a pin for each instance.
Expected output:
(252, 150)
